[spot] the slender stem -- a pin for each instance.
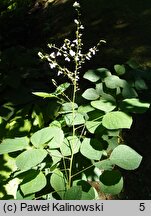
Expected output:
(82, 170)
(73, 126)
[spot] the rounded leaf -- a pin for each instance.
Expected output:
(78, 119)
(90, 94)
(52, 136)
(120, 69)
(134, 105)
(125, 157)
(111, 182)
(104, 164)
(116, 120)
(91, 148)
(74, 193)
(34, 182)
(103, 105)
(113, 82)
(12, 145)
(70, 145)
(58, 182)
(30, 158)
(88, 192)
(92, 126)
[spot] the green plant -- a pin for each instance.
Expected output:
(83, 141)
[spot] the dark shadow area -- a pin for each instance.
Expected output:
(25, 29)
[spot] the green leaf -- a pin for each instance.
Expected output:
(30, 158)
(119, 69)
(44, 94)
(111, 182)
(113, 82)
(104, 164)
(133, 64)
(134, 105)
(94, 122)
(116, 120)
(92, 126)
(95, 75)
(56, 156)
(12, 145)
(140, 84)
(20, 196)
(78, 119)
(68, 107)
(33, 183)
(52, 136)
(70, 145)
(58, 137)
(91, 148)
(88, 192)
(61, 88)
(125, 157)
(90, 94)
(129, 92)
(58, 182)
(74, 193)
(103, 105)
(85, 109)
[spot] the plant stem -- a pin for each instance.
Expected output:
(73, 126)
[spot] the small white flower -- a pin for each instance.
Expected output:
(93, 51)
(81, 27)
(67, 59)
(40, 55)
(52, 55)
(64, 47)
(59, 53)
(77, 77)
(50, 46)
(76, 58)
(75, 41)
(76, 5)
(76, 21)
(60, 72)
(89, 55)
(53, 65)
(72, 53)
(102, 41)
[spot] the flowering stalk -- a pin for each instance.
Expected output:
(71, 51)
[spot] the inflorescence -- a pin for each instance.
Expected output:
(71, 51)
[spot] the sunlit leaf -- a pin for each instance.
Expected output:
(113, 82)
(91, 148)
(12, 145)
(103, 105)
(75, 119)
(52, 136)
(116, 120)
(30, 158)
(44, 94)
(70, 146)
(33, 183)
(90, 94)
(125, 157)
(111, 182)
(97, 74)
(61, 88)
(135, 105)
(58, 182)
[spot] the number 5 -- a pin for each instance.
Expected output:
(142, 206)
